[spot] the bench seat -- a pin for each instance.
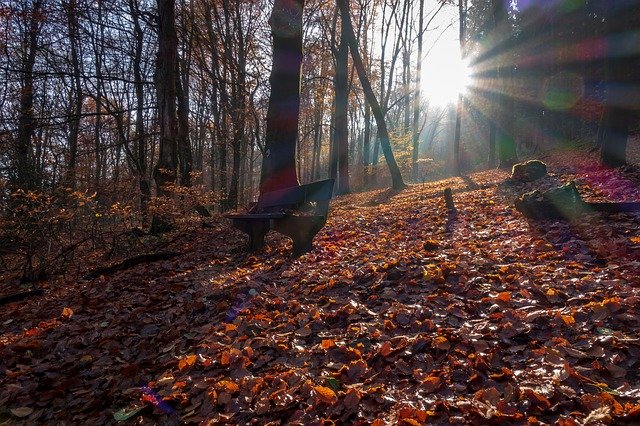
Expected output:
(298, 212)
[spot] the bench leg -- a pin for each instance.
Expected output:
(301, 230)
(257, 233)
(255, 229)
(302, 244)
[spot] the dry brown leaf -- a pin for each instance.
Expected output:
(186, 362)
(325, 394)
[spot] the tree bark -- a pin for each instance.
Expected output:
(340, 130)
(165, 79)
(614, 141)
(24, 164)
(505, 137)
(239, 104)
(185, 155)
(140, 132)
(74, 124)
(457, 169)
(619, 72)
(396, 177)
(366, 142)
(278, 165)
(416, 99)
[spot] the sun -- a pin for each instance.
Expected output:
(445, 74)
(446, 78)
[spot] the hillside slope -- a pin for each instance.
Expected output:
(403, 313)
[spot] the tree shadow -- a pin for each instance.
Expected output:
(383, 197)
(471, 184)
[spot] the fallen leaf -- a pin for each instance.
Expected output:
(126, 413)
(326, 394)
(22, 411)
(442, 343)
(186, 362)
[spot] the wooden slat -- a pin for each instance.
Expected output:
(276, 215)
(282, 197)
(316, 191)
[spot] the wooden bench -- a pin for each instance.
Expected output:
(298, 212)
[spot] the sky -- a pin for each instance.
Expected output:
(443, 71)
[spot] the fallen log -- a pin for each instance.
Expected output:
(131, 262)
(565, 202)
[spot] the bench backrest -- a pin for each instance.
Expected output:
(319, 192)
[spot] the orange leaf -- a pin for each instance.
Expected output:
(186, 362)
(568, 319)
(67, 312)
(228, 386)
(442, 343)
(179, 385)
(431, 383)
(504, 296)
(422, 415)
(385, 349)
(327, 343)
(389, 325)
(326, 394)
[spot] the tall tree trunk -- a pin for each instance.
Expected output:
(341, 128)
(317, 137)
(239, 104)
(74, 124)
(278, 165)
(183, 93)
(614, 142)
(416, 96)
(165, 79)
(396, 177)
(616, 118)
(457, 169)
(366, 139)
(24, 164)
(506, 142)
(140, 135)
(460, 107)
(185, 155)
(333, 153)
(214, 90)
(492, 143)
(505, 137)
(98, 51)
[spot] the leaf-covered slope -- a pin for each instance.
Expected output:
(402, 314)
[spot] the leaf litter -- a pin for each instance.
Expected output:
(403, 314)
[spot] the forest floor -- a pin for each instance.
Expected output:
(402, 314)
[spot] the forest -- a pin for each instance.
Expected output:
(320, 212)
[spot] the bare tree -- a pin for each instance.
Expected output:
(396, 177)
(165, 79)
(24, 170)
